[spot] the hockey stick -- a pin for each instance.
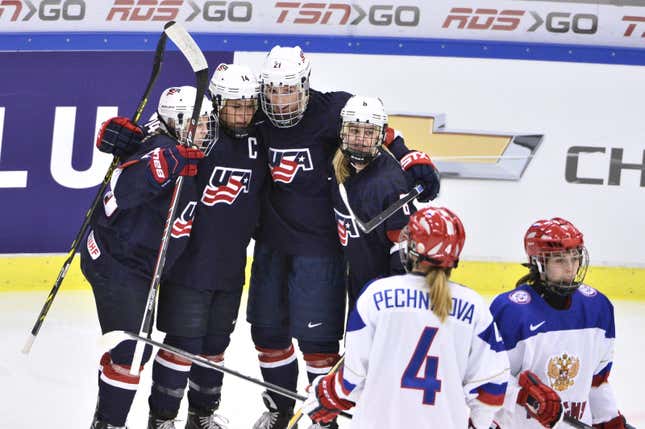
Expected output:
(197, 61)
(572, 421)
(110, 339)
(298, 414)
(370, 225)
(156, 66)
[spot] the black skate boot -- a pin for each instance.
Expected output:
(99, 424)
(160, 422)
(274, 418)
(205, 419)
(330, 425)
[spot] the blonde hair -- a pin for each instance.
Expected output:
(437, 281)
(341, 166)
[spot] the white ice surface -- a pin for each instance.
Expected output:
(55, 385)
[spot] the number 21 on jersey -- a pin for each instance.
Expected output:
(428, 382)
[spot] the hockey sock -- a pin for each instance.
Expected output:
(169, 377)
(117, 386)
(279, 367)
(205, 385)
(320, 357)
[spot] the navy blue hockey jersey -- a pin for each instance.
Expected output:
(297, 212)
(230, 182)
(129, 225)
(369, 192)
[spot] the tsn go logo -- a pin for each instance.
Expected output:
(509, 20)
(47, 10)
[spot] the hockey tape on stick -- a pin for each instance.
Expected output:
(197, 61)
(111, 339)
(298, 414)
(370, 225)
(156, 67)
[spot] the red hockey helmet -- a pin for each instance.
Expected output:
(555, 238)
(435, 237)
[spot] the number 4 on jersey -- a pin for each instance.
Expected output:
(428, 383)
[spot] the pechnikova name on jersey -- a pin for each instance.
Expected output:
(414, 298)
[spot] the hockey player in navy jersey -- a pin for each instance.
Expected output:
(119, 257)
(297, 282)
(559, 334)
(420, 350)
(373, 180)
(200, 296)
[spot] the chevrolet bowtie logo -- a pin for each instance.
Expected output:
(468, 155)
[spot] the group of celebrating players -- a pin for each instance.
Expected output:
(270, 160)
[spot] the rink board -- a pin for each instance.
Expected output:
(38, 272)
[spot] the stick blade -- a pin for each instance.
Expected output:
(30, 342)
(187, 45)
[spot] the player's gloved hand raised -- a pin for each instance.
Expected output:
(541, 402)
(323, 404)
(423, 171)
(617, 422)
(119, 136)
(167, 163)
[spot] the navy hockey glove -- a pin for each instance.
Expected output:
(120, 137)
(323, 404)
(541, 402)
(423, 171)
(167, 163)
(617, 422)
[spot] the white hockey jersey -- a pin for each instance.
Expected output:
(406, 369)
(570, 350)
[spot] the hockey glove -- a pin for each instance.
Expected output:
(541, 402)
(120, 137)
(617, 422)
(167, 163)
(323, 404)
(423, 171)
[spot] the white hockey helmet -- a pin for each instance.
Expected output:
(284, 82)
(234, 82)
(363, 127)
(175, 110)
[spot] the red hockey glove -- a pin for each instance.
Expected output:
(119, 136)
(617, 422)
(541, 402)
(323, 405)
(423, 172)
(169, 162)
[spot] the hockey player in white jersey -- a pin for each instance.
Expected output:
(421, 351)
(559, 335)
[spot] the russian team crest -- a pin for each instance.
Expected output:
(285, 164)
(182, 226)
(346, 227)
(225, 185)
(520, 297)
(562, 370)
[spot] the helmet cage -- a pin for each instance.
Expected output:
(228, 123)
(234, 82)
(361, 141)
(175, 111)
(561, 287)
(284, 86)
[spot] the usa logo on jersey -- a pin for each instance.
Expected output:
(346, 227)
(225, 185)
(182, 226)
(284, 164)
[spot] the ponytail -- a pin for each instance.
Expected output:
(341, 166)
(437, 281)
(530, 278)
